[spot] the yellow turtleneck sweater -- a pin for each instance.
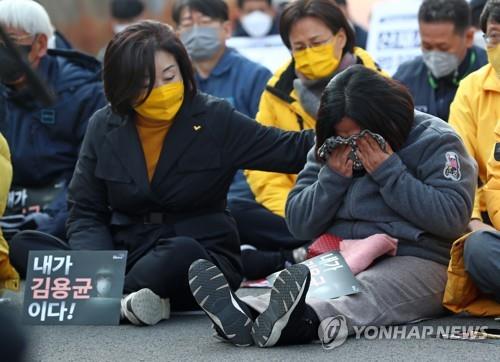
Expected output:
(152, 135)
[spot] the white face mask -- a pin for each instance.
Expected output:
(257, 24)
(440, 63)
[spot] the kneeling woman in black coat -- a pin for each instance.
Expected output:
(155, 167)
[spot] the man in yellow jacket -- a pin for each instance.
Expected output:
(8, 275)
(322, 44)
(474, 271)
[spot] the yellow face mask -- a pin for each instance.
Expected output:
(316, 62)
(494, 58)
(163, 103)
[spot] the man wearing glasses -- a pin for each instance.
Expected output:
(44, 140)
(204, 27)
(475, 114)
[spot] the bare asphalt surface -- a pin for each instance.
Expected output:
(189, 338)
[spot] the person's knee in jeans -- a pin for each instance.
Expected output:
(482, 261)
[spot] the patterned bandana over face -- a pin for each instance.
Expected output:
(333, 142)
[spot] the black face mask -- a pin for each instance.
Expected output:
(10, 70)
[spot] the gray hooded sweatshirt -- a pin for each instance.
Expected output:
(422, 195)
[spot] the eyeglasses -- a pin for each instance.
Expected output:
(16, 39)
(312, 45)
(492, 39)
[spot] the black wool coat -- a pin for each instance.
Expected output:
(208, 142)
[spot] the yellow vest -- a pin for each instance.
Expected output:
(285, 111)
(8, 275)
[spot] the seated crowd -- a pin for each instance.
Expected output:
(209, 170)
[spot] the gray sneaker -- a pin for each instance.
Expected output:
(145, 308)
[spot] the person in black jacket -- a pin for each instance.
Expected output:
(155, 167)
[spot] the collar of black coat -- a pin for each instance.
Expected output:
(187, 125)
(284, 86)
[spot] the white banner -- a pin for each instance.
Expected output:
(268, 51)
(394, 37)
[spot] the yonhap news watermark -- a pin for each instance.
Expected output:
(333, 332)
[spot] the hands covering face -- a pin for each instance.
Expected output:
(366, 150)
(371, 154)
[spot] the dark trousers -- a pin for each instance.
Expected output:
(261, 228)
(265, 231)
(163, 268)
(482, 261)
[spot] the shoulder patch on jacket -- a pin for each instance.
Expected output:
(452, 167)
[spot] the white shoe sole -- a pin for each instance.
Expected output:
(145, 307)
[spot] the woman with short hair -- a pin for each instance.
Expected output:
(379, 170)
(322, 43)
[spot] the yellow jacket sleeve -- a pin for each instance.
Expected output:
(6, 172)
(8, 275)
(463, 121)
(270, 189)
(492, 187)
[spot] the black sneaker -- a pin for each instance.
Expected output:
(288, 292)
(231, 317)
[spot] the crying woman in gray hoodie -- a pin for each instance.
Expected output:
(379, 167)
(380, 173)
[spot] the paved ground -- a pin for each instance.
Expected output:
(189, 338)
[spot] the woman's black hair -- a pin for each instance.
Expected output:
(491, 13)
(129, 64)
(374, 102)
(327, 11)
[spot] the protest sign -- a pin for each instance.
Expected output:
(331, 277)
(74, 287)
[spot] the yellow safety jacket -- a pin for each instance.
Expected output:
(8, 275)
(475, 115)
(280, 107)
